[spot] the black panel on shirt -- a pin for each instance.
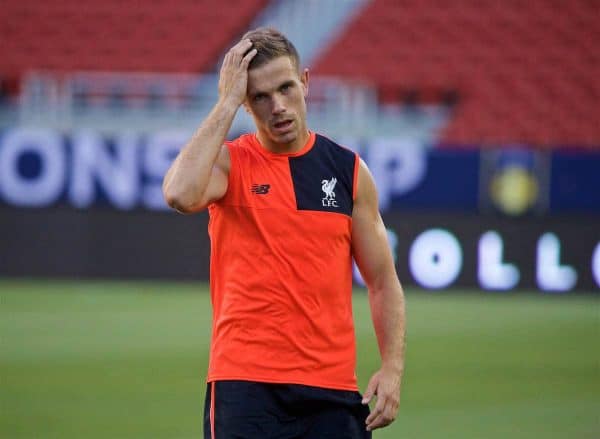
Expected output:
(323, 177)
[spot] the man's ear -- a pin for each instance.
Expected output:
(304, 80)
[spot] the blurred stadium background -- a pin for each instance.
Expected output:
(479, 119)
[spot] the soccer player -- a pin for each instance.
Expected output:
(288, 210)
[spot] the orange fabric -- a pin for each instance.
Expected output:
(281, 280)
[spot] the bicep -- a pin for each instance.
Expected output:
(216, 185)
(218, 180)
(370, 246)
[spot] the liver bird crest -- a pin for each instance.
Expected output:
(327, 186)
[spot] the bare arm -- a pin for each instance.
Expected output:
(198, 176)
(373, 256)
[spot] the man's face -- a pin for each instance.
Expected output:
(276, 100)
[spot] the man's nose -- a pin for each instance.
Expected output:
(278, 105)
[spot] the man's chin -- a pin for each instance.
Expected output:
(284, 138)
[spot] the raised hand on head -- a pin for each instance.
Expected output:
(233, 77)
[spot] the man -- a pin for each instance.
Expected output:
(288, 210)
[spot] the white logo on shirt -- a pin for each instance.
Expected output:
(327, 186)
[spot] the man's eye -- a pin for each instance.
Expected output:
(258, 98)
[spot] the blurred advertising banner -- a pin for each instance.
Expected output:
(552, 254)
(85, 204)
(432, 250)
(43, 168)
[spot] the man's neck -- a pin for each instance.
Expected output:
(284, 148)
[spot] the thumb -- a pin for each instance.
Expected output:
(371, 389)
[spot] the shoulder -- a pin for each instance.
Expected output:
(366, 189)
(328, 155)
(236, 150)
(243, 141)
(325, 143)
(343, 158)
(244, 145)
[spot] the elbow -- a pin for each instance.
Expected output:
(178, 201)
(172, 201)
(169, 195)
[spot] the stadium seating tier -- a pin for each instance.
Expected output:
(124, 35)
(524, 72)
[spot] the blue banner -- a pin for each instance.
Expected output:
(44, 167)
(575, 181)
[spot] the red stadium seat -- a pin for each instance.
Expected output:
(525, 71)
(119, 34)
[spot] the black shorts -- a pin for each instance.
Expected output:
(248, 410)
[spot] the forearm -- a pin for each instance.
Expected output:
(374, 258)
(187, 179)
(388, 313)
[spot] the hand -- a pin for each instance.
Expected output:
(233, 78)
(386, 385)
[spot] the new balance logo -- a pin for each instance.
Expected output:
(260, 189)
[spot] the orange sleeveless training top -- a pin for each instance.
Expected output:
(281, 266)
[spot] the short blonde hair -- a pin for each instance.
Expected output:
(270, 44)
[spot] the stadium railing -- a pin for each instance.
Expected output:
(113, 102)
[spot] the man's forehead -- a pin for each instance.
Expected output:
(270, 74)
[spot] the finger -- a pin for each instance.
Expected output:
(384, 416)
(370, 390)
(245, 42)
(377, 410)
(382, 421)
(387, 415)
(246, 60)
(241, 47)
(227, 59)
(372, 417)
(380, 407)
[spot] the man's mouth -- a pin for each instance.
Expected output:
(282, 125)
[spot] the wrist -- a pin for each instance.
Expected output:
(393, 367)
(228, 103)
